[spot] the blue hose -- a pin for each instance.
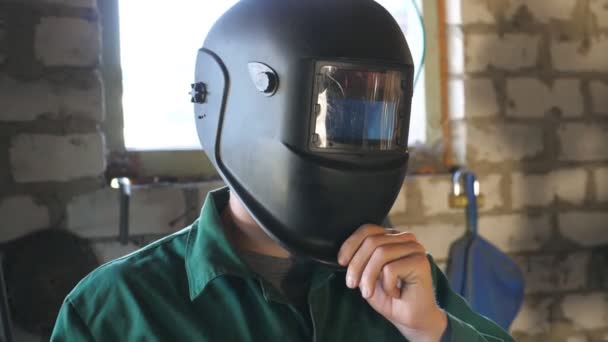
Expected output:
(423, 57)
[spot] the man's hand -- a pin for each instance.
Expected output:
(394, 275)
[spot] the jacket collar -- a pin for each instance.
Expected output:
(209, 253)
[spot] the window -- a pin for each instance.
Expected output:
(408, 14)
(156, 56)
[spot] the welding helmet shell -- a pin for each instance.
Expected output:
(303, 107)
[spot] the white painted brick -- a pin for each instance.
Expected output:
(95, 214)
(516, 233)
(510, 52)
(22, 101)
(455, 42)
(57, 158)
(568, 185)
(577, 338)
(599, 8)
(456, 99)
(472, 98)
(489, 186)
(458, 135)
(110, 250)
(21, 216)
(205, 187)
(571, 56)
(480, 98)
(601, 184)
(67, 42)
(530, 190)
(585, 228)
(435, 194)
(542, 10)
(399, 207)
(587, 311)
(502, 142)
(583, 142)
(599, 97)
(436, 189)
(551, 273)
(533, 318)
(453, 11)
(27, 101)
(436, 237)
(152, 210)
(530, 97)
(476, 11)
(75, 3)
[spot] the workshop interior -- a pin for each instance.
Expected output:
(103, 109)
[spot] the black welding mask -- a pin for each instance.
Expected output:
(303, 107)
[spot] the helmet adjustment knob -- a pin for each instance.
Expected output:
(265, 82)
(264, 79)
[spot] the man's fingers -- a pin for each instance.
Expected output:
(381, 258)
(397, 275)
(354, 242)
(370, 244)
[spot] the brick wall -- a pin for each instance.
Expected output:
(529, 107)
(52, 149)
(529, 87)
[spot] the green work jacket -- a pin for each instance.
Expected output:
(192, 286)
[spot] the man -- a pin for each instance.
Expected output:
(303, 107)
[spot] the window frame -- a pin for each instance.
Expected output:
(434, 156)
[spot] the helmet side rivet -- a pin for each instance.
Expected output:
(198, 92)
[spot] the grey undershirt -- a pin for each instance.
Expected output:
(291, 277)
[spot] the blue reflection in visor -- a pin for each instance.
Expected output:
(352, 121)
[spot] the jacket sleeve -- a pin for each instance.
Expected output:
(464, 323)
(70, 326)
